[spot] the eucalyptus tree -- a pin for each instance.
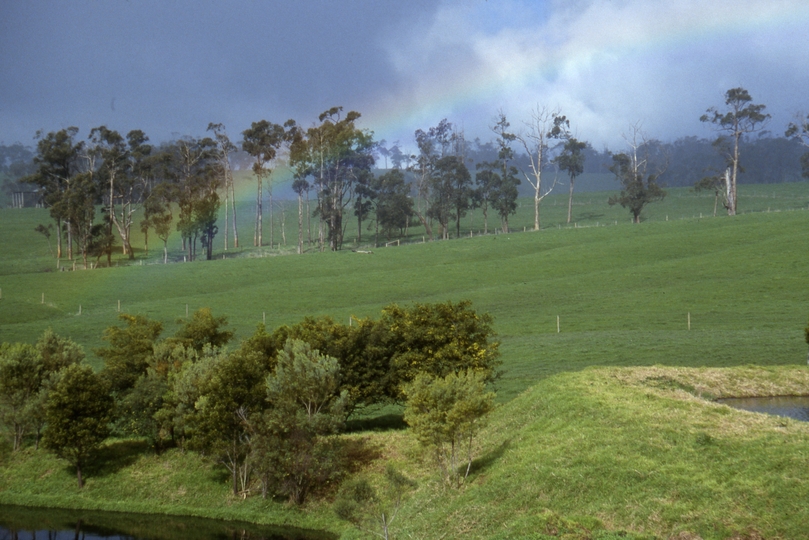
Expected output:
(192, 169)
(225, 147)
(638, 178)
(79, 205)
(393, 207)
(299, 161)
(122, 174)
(498, 189)
(157, 214)
(341, 153)
(262, 141)
(571, 160)
(433, 144)
(534, 141)
(739, 118)
(799, 130)
(486, 182)
(57, 161)
(364, 196)
(451, 193)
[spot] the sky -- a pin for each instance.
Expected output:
(170, 67)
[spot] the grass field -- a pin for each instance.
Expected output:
(623, 293)
(573, 449)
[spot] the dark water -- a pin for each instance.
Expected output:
(796, 407)
(20, 523)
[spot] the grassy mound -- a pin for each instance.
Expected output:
(633, 449)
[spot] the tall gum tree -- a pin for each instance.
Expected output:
(225, 147)
(341, 153)
(56, 161)
(262, 142)
(739, 118)
(123, 172)
(433, 145)
(534, 140)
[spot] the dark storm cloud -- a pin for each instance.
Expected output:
(172, 67)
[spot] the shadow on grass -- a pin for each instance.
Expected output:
(385, 422)
(358, 453)
(592, 216)
(482, 463)
(114, 456)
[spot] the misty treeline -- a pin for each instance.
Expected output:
(339, 173)
(267, 410)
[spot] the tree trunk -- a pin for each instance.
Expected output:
(536, 206)
(272, 221)
(257, 240)
(570, 202)
(58, 239)
(233, 207)
(78, 475)
(300, 224)
(308, 220)
(227, 201)
(69, 240)
(730, 190)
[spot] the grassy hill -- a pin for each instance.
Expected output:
(572, 450)
(623, 293)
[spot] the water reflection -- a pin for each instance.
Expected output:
(21, 523)
(796, 407)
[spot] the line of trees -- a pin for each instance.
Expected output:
(267, 410)
(181, 184)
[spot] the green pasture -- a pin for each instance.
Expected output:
(580, 447)
(623, 293)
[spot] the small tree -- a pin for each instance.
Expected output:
(78, 412)
(439, 339)
(446, 413)
(799, 131)
(231, 390)
(291, 447)
(129, 352)
(639, 187)
(370, 510)
(715, 183)
(203, 329)
(21, 373)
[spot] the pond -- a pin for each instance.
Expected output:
(21, 523)
(796, 407)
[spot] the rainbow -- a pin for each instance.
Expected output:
(687, 26)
